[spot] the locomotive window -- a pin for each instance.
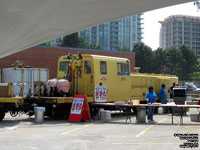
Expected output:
(64, 65)
(103, 67)
(87, 66)
(123, 69)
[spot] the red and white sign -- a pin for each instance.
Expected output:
(77, 105)
(103, 79)
(79, 110)
(100, 94)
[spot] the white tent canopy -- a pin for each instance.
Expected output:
(26, 23)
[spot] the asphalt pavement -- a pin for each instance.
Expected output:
(22, 133)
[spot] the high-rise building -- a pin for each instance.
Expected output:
(56, 41)
(181, 30)
(121, 33)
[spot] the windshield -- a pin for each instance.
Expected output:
(192, 86)
(64, 66)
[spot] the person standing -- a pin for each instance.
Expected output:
(162, 95)
(151, 99)
(170, 90)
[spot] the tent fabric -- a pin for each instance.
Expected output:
(26, 23)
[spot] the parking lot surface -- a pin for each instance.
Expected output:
(22, 133)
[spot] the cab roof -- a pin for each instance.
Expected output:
(100, 57)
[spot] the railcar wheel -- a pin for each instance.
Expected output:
(2, 114)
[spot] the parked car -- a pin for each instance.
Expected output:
(192, 88)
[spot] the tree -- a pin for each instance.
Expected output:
(143, 57)
(159, 61)
(48, 43)
(82, 44)
(181, 62)
(94, 46)
(188, 63)
(196, 74)
(173, 61)
(126, 49)
(99, 47)
(73, 40)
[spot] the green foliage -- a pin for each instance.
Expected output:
(125, 49)
(47, 43)
(176, 61)
(73, 40)
(94, 46)
(196, 75)
(173, 60)
(188, 63)
(144, 57)
(159, 61)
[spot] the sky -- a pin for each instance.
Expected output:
(152, 18)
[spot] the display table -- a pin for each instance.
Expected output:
(129, 106)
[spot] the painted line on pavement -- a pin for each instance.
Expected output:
(146, 143)
(107, 136)
(147, 129)
(76, 129)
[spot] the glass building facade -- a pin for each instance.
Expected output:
(58, 40)
(181, 30)
(121, 33)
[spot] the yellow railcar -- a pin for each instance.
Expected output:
(87, 71)
(86, 74)
(94, 70)
(141, 82)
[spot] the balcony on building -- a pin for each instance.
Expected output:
(114, 40)
(140, 28)
(114, 30)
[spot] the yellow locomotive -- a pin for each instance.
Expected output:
(86, 72)
(100, 78)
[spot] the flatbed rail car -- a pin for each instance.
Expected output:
(12, 105)
(15, 105)
(85, 73)
(55, 106)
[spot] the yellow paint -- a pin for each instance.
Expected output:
(120, 87)
(82, 135)
(67, 132)
(146, 143)
(22, 90)
(162, 120)
(16, 100)
(141, 83)
(60, 100)
(108, 136)
(194, 95)
(9, 89)
(76, 129)
(147, 129)
(144, 131)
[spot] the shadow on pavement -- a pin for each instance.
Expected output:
(117, 118)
